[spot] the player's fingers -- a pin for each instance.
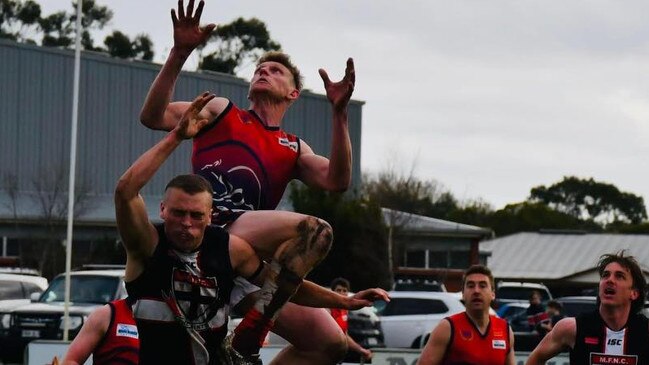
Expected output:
(324, 76)
(190, 8)
(181, 11)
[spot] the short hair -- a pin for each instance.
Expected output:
(554, 304)
(340, 282)
(537, 293)
(478, 269)
(629, 263)
(191, 184)
(284, 59)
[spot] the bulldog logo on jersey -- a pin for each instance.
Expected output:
(196, 299)
(228, 196)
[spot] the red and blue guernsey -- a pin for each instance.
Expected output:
(121, 343)
(469, 346)
(248, 163)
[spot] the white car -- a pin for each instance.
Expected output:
(409, 316)
(19, 286)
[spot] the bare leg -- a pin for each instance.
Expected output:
(315, 338)
(297, 243)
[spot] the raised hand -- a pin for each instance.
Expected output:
(188, 34)
(191, 123)
(340, 92)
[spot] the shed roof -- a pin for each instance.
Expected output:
(555, 256)
(414, 223)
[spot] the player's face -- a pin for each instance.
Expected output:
(477, 292)
(272, 80)
(185, 217)
(616, 286)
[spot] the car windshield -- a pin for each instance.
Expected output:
(83, 289)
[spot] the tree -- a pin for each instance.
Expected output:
(409, 194)
(19, 19)
(588, 199)
(120, 45)
(58, 28)
(359, 251)
(58, 31)
(238, 44)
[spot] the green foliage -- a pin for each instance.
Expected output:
(17, 18)
(409, 194)
(359, 252)
(58, 29)
(238, 43)
(589, 199)
(120, 45)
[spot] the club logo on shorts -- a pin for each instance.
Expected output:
(126, 330)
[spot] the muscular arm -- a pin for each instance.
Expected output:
(433, 352)
(89, 336)
(157, 111)
(560, 338)
(332, 174)
(139, 237)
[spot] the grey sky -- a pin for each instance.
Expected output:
(490, 98)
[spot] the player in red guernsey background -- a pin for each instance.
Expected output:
(249, 160)
(474, 336)
(109, 334)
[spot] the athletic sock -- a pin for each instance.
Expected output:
(278, 288)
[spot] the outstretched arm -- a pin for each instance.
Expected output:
(139, 237)
(311, 294)
(561, 337)
(158, 112)
(332, 174)
(89, 336)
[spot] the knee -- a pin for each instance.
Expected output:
(319, 236)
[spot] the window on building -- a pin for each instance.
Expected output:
(437, 259)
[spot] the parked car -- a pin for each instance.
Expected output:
(42, 317)
(19, 286)
(576, 305)
(410, 315)
(519, 292)
(418, 285)
(516, 315)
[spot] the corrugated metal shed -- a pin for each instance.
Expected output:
(35, 114)
(553, 256)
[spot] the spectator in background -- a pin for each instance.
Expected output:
(342, 286)
(536, 312)
(553, 310)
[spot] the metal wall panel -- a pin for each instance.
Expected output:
(35, 118)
